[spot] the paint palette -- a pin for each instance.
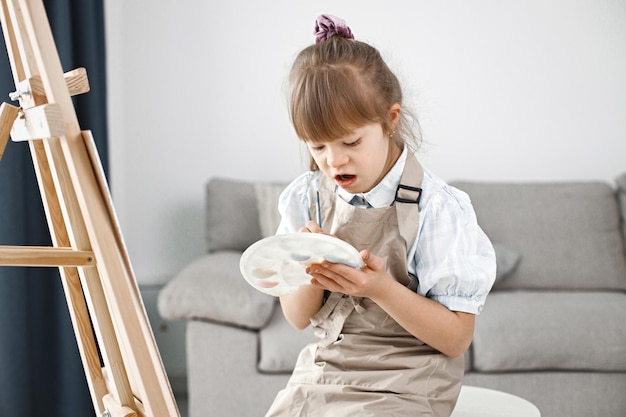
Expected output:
(277, 265)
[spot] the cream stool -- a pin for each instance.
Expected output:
(483, 402)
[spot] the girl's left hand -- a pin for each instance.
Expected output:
(367, 282)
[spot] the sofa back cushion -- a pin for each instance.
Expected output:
(238, 212)
(267, 195)
(568, 234)
(232, 217)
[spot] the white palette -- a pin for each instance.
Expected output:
(277, 265)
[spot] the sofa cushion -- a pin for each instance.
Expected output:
(212, 288)
(568, 233)
(526, 330)
(280, 344)
(232, 219)
(267, 195)
(506, 260)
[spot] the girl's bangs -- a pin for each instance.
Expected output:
(328, 105)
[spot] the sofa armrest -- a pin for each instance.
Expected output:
(212, 288)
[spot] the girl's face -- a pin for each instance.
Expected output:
(358, 161)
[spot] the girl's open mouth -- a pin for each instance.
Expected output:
(345, 180)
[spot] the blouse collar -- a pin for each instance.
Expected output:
(384, 193)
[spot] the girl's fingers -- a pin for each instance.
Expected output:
(372, 261)
(333, 277)
(313, 227)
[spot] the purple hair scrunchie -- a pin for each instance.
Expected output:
(327, 26)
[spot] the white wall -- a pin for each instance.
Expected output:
(517, 90)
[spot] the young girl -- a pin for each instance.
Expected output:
(392, 335)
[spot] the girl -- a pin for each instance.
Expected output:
(392, 335)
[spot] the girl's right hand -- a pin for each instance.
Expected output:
(311, 227)
(300, 305)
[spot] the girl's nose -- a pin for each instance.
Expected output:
(336, 158)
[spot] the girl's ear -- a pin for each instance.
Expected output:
(394, 115)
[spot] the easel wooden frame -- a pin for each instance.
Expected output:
(101, 291)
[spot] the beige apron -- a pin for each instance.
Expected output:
(365, 363)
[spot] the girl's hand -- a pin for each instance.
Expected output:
(300, 305)
(367, 282)
(311, 227)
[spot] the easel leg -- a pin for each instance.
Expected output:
(81, 217)
(70, 280)
(69, 212)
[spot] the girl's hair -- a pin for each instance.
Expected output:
(340, 84)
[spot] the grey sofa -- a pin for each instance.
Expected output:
(553, 329)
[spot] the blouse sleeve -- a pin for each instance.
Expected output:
(455, 261)
(294, 203)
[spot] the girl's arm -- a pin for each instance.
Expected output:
(300, 305)
(450, 332)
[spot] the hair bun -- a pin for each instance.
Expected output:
(327, 26)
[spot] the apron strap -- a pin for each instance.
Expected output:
(408, 195)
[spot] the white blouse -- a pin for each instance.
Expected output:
(452, 257)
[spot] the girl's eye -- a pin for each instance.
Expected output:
(317, 148)
(353, 143)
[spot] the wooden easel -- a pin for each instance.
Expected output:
(100, 287)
